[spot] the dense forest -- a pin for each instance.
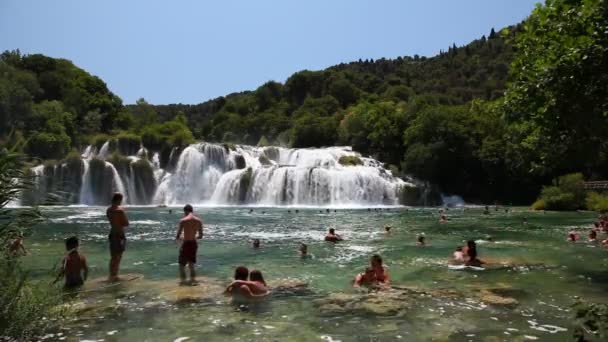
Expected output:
(493, 120)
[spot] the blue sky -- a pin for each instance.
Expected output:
(187, 51)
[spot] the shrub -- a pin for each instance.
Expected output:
(539, 205)
(597, 202)
(566, 193)
(128, 143)
(350, 161)
(48, 145)
(98, 140)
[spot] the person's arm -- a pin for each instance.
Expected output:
(61, 272)
(179, 231)
(200, 230)
(125, 219)
(22, 248)
(85, 268)
(357, 281)
(387, 277)
(245, 291)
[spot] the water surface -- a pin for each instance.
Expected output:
(529, 299)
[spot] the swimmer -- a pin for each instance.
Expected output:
(592, 236)
(486, 211)
(250, 211)
(289, 211)
(244, 288)
(304, 250)
(256, 243)
(443, 219)
(192, 229)
(366, 278)
(16, 248)
(420, 241)
(380, 270)
(170, 211)
(332, 236)
(471, 253)
(74, 267)
(118, 241)
(297, 211)
(458, 255)
(387, 229)
(572, 236)
(327, 210)
(524, 221)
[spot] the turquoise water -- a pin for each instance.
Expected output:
(526, 294)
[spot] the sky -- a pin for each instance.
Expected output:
(188, 51)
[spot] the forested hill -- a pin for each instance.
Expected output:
(456, 76)
(493, 120)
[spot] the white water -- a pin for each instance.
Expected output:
(211, 174)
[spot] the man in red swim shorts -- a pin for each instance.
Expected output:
(190, 225)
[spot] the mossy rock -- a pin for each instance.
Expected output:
(264, 160)
(145, 183)
(121, 163)
(244, 184)
(240, 162)
(350, 161)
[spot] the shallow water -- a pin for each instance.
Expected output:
(528, 298)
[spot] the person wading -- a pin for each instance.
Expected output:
(118, 222)
(190, 225)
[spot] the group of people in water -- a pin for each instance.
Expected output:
(247, 284)
(600, 226)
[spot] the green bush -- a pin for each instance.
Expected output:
(566, 193)
(98, 140)
(48, 145)
(128, 143)
(350, 161)
(597, 202)
(539, 205)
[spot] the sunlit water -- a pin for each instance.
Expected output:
(544, 275)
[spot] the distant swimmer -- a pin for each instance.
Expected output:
(192, 229)
(380, 270)
(118, 241)
(16, 247)
(332, 236)
(592, 236)
(247, 285)
(304, 250)
(387, 229)
(297, 211)
(327, 210)
(572, 236)
(420, 241)
(486, 211)
(256, 243)
(250, 211)
(443, 219)
(289, 211)
(366, 278)
(74, 267)
(524, 221)
(170, 211)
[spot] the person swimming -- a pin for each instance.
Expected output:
(16, 247)
(247, 285)
(74, 267)
(592, 236)
(443, 219)
(256, 243)
(420, 241)
(458, 255)
(471, 254)
(332, 236)
(380, 270)
(572, 236)
(304, 250)
(387, 229)
(366, 278)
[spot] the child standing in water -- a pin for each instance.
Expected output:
(74, 268)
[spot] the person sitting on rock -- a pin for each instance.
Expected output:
(332, 236)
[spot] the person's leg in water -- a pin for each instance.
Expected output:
(191, 265)
(115, 258)
(182, 274)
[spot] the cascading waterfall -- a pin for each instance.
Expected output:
(217, 174)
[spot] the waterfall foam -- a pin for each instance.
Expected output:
(217, 174)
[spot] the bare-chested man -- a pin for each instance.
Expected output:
(118, 221)
(190, 225)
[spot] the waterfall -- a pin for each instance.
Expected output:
(216, 174)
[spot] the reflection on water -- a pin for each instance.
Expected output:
(525, 294)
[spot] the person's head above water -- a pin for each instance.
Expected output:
(117, 198)
(421, 239)
(256, 275)
(241, 273)
(303, 248)
(71, 243)
(188, 209)
(376, 260)
(387, 228)
(332, 231)
(256, 243)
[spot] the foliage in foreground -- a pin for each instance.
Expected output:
(592, 322)
(568, 193)
(26, 307)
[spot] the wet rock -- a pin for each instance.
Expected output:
(493, 297)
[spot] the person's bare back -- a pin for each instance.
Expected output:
(190, 226)
(118, 218)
